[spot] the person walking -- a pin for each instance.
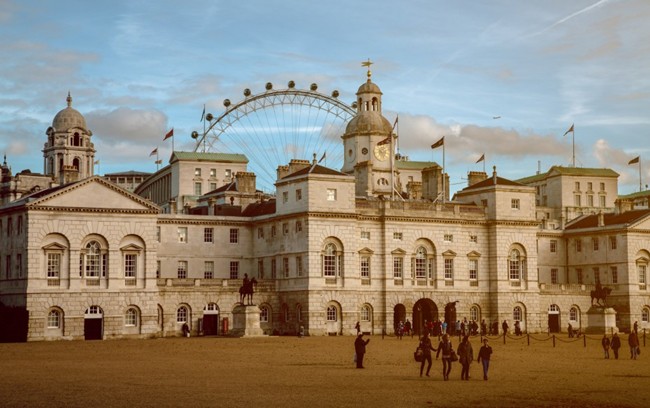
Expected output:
(484, 357)
(465, 357)
(606, 343)
(615, 344)
(426, 347)
(446, 348)
(360, 349)
(633, 341)
(504, 326)
(358, 328)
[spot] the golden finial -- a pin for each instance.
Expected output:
(368, 64)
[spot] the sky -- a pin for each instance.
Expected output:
(503, 78)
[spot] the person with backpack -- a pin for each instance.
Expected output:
(447, 350)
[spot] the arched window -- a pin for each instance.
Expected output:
(264, 314)
(365, 313)
(94, 260)
(331, 314)
(573, 314)
(131, 317)
(331, 260)
(75, 163)
(517, 314)
(514, 265)
(474, 313)
(182, 314)
(554, 308)
(421, 263)
(285, 312)
(645, 315)
(54, 319)
(299, 313)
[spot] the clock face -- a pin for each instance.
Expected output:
(381, 152)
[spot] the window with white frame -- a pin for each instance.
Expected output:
(474, 313)
(213, 172)
(94, 260)
(54, 319)
(197, 172)
(197, 188)
(182, 314)
(473, 271)
(234, 235)
(514, 203)
(449, 269)
(181, 271)
(208, 270)
(285, 196)
(332, 314)
(514, 265)
(398, 267)
(298, 226)
(612, 242)
(421, 263)
(331, 194)
(577, 186)
(365, 313)
(602, 199)
(579, 275)
(596, 275)
(573, 314)
(130, 266)
(645, 315)
(131, 317)
(576, 200)
(213, 186)
(264, 314)
(227, 173)
(53, 265)
(517, 313)
(397, 236)
(365, 235)
(554, 278)
(331, 260)
(208, 235)
(449, 238)
(595, 243)
(182, 234)
(641, 270)
(614, 272)
(473, 238)
(299, 265)
(234, 269)
(365, 266)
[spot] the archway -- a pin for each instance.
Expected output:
(554, 318)
(211, 319)
(399, 315)
(94, 323)
(424, 310)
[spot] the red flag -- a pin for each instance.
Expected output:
(154, 151)
(568, 131)
(438, 143)
(169, 134)
(635, 160)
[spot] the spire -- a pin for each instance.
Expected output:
(69, 100)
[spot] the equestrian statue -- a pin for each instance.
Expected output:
(600, 293)
(246, 290)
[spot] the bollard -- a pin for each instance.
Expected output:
(504, 337)
(528, 338)
(643, 337)
(584, 341)
(554, 341)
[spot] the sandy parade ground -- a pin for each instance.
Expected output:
(314, 372)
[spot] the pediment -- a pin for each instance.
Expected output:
(55, 246)
(449, 253)
(132, 247)
(93, 193)
(474, 254)
(398, 251)
(366, 251)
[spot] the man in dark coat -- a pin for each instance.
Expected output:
(360, 349)
(615, 344)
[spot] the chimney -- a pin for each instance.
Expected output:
(494, 175)
(601, 219)
(474, 177)
(245, 182)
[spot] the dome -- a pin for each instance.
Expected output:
(369, 87)
(369, 122)
(68, 118)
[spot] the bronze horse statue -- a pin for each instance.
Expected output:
(246, 290)
(600, 293)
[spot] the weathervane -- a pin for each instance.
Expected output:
(368, 64)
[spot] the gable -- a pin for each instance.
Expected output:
(93, 193)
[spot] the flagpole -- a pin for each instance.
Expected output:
(640, 183)
(483, 162)
(392, 169)
(444, 190)
(573, 142)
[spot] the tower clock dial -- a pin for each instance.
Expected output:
(381, 152)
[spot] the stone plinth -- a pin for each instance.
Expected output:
(601, 320)
(246, 321)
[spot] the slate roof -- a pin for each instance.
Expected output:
(569, 171)
(256, 209)
(218, 157)
(318, 169)
(610, 219)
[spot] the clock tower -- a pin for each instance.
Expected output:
(367, 143)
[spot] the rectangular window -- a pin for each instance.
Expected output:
(595, 244)
(449, 238)
(213, 172)
(197, 172)
(273, 269)
(197, 188)
(19, 265)
(578, 245)
(285, 228)
(577, 186)
(285, 267)
(208, 270)
(365, 234)
(553, 246)
(579, 275)
(641, 269)
(576, 200)
(602, 186)
(273, 231)
(612, 242)
(298, 226)
(554, 275)
(213, 186)
(596, 275)
(260, 232)
(260, 268)
(449, 268)
(158, 234)
(157, 269)
(234, 270)
(473, 270)
(228, 173)
(473, 238)
(298, 194)
(182, 270)
(590, 186)
(365, 267)
(299, 265)
(398, 267)
(53, 265)
(285, 196)
(208, 235)
(602, 201)
(234, 235)
(331, 194)
(590, 200)
(130, 265)
(397, 236)
(8, 266)
(514, 203)
(614, 271)
(182, 234)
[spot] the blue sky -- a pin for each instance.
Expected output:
(137, 68)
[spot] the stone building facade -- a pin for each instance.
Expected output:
(86, 258)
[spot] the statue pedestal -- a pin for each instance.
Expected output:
(246, 321)
(601, 320)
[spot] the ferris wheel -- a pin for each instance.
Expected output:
(277, 125)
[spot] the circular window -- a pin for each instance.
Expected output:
(364, 151)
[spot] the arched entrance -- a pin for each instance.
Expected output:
(94, 323)
(423, 310)
(211, 319)
(450, 317)
(399, 314)
(554, 319)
